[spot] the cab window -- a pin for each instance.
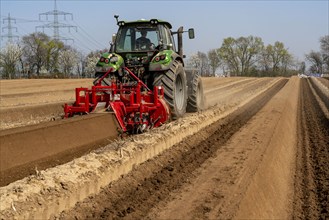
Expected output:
(167, 40)
(128, 38)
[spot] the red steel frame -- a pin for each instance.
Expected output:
(131, 106)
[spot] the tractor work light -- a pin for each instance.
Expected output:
(154, 21)
(121, 23)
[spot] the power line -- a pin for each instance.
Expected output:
(56, 25)
(88, 36)
(80, 44)
(10, 29)
(24, 31)
(85, 41)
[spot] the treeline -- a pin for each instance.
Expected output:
(249, 56)
(38, 56)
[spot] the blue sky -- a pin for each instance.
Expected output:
(298, 24)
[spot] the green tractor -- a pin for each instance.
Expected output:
(147, 48)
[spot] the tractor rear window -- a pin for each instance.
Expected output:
(130, 39)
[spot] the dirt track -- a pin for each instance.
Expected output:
(266, 156)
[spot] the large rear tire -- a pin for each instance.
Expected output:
(175, 88)
(195, 101)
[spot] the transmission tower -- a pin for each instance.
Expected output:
(10, 28)
(56, 25)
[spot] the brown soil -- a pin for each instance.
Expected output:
(175, 173)
(28, 115)
(30, 86)
(266, 156)
(324, 81)
(24, 152)
(312, 172)
(27, 150)
(26, 102)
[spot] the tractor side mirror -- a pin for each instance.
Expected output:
(116, 18)
(191, 33)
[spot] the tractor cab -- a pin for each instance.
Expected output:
(139, 43)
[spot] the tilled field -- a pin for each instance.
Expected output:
(27, 102)
(260, 150)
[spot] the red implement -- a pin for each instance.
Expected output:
(135, 106)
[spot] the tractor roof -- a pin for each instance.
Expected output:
(143, 21)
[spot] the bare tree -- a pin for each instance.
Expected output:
(53, 50)
(204, 64)
(241, 54)
(278, 55)
(248, 49)
(9, 58)
(287, 63)
(228, 54)
(201, 62)
(193, 61)
(68, 59)
(275, 59)
(316, 60)
(214, 61)
(324, 44)
(264, 61)
(80, 64)
(41, 53)
(302, 67)
(90, 63)
(35, 51)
